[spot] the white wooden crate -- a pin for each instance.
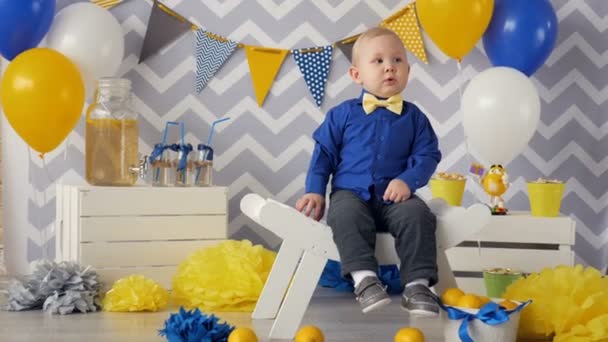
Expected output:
(144, 230)
(519, 241)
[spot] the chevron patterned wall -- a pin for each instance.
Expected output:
(267, 149)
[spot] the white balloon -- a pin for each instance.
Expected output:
(91, 37)
(501, 111)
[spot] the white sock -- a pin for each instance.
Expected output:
(424, 282)
(360, 275)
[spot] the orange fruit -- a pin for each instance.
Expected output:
(242, 335)
(409, 335)
(310, 333)
(451, 296)
(508, 305)
(470, 301)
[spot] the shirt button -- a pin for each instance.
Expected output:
(382, 138)
(379, 156)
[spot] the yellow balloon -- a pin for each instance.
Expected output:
(42, 95)
(455, 25)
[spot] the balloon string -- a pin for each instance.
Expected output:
(467, 152)
(44, 232)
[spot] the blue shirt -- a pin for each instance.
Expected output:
(365, 152)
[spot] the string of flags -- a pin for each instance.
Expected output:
(213, 50)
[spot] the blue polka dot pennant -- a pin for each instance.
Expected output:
(314, 64)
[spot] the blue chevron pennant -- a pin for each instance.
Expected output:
(211, 53)
(314, 65)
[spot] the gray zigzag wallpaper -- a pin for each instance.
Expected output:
(267, 149)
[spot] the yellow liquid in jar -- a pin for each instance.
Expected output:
(111, 151)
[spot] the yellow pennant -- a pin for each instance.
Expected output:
(405, 24)
(264, 64)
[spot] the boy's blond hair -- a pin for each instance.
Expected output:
(367, 35)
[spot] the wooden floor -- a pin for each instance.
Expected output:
(337, 314)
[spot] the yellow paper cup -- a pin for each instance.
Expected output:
(545, 198)
(448, 189)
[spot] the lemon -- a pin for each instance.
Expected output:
(309, 333)
(470, 301)
(450, 296)
(508, 305)
(409, 335)
(484, 300)
(242, 335)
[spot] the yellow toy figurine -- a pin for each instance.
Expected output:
(495, 183)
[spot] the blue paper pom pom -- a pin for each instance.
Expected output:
(194, 326)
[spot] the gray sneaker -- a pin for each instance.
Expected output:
(371, 294)
(419, 300)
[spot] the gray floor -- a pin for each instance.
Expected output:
(336, 313)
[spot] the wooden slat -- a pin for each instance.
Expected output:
(73, 212)
(146, 200)
(131, 254)
(59, 233)
(526, 260)
(151, 228)
(163, 274)
(523, 228)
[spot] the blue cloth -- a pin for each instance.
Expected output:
(365, 152)
(332, 278)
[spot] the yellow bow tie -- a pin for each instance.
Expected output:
(393, 103)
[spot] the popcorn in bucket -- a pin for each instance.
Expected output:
(448, 186)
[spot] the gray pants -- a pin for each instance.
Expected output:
(354, 223)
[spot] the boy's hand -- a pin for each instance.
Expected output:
(310, 203)
(397, 191)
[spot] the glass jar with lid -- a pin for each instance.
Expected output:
(112, 135)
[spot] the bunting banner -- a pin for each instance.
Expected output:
(212, 52)
(346, 46)
(314, 65)
(405, 24)
(163, 29)
(264, 65)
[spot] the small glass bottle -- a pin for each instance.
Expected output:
(112, 135)
(183, 165)
(161, 171)
(203, 166)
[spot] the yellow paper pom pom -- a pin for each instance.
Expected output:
(595, 330)
(227, 277)
(135, 293)
(564, 300)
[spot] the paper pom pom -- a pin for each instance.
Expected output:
(595, 330)
(70, 301)
(135, 293)
(562, 298)
(58, 287)
(227, 277)
(187, 326)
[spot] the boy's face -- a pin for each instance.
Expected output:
(381, 66)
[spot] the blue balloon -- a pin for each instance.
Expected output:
(521, 34)
(23, 24)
